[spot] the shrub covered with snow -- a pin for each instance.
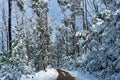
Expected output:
(11, 68)
(103, 52)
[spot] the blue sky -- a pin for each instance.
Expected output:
(54, 9)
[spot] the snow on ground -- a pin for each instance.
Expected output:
(48, 74)
(82, 76)
(51, 74)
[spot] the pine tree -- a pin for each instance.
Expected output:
(75, 7)
(43, 32)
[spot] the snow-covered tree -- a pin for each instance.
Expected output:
(102, 58)
(75, 7)
(42, 32)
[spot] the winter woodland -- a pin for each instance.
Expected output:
(81, 37)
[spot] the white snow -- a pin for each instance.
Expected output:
(79, 75)
(82, 76)
(46, 1)
(117, 12)
(97, 26)
(48, 74)
(78, 33)
(51, 74)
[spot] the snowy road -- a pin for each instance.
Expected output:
(51, 74)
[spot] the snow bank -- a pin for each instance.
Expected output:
(83, 76)
(79, 75)
(48, 74)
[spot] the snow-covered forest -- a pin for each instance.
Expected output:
(81, 37)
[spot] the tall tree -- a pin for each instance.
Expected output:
(75, 7)
(9, 26)
(43, 32)
(3, 27)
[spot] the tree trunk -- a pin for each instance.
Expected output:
(74, 31)
(9, 27)
(83, 15)
(2, 42)
(86, 24)
(4, 27)
(67, 43)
